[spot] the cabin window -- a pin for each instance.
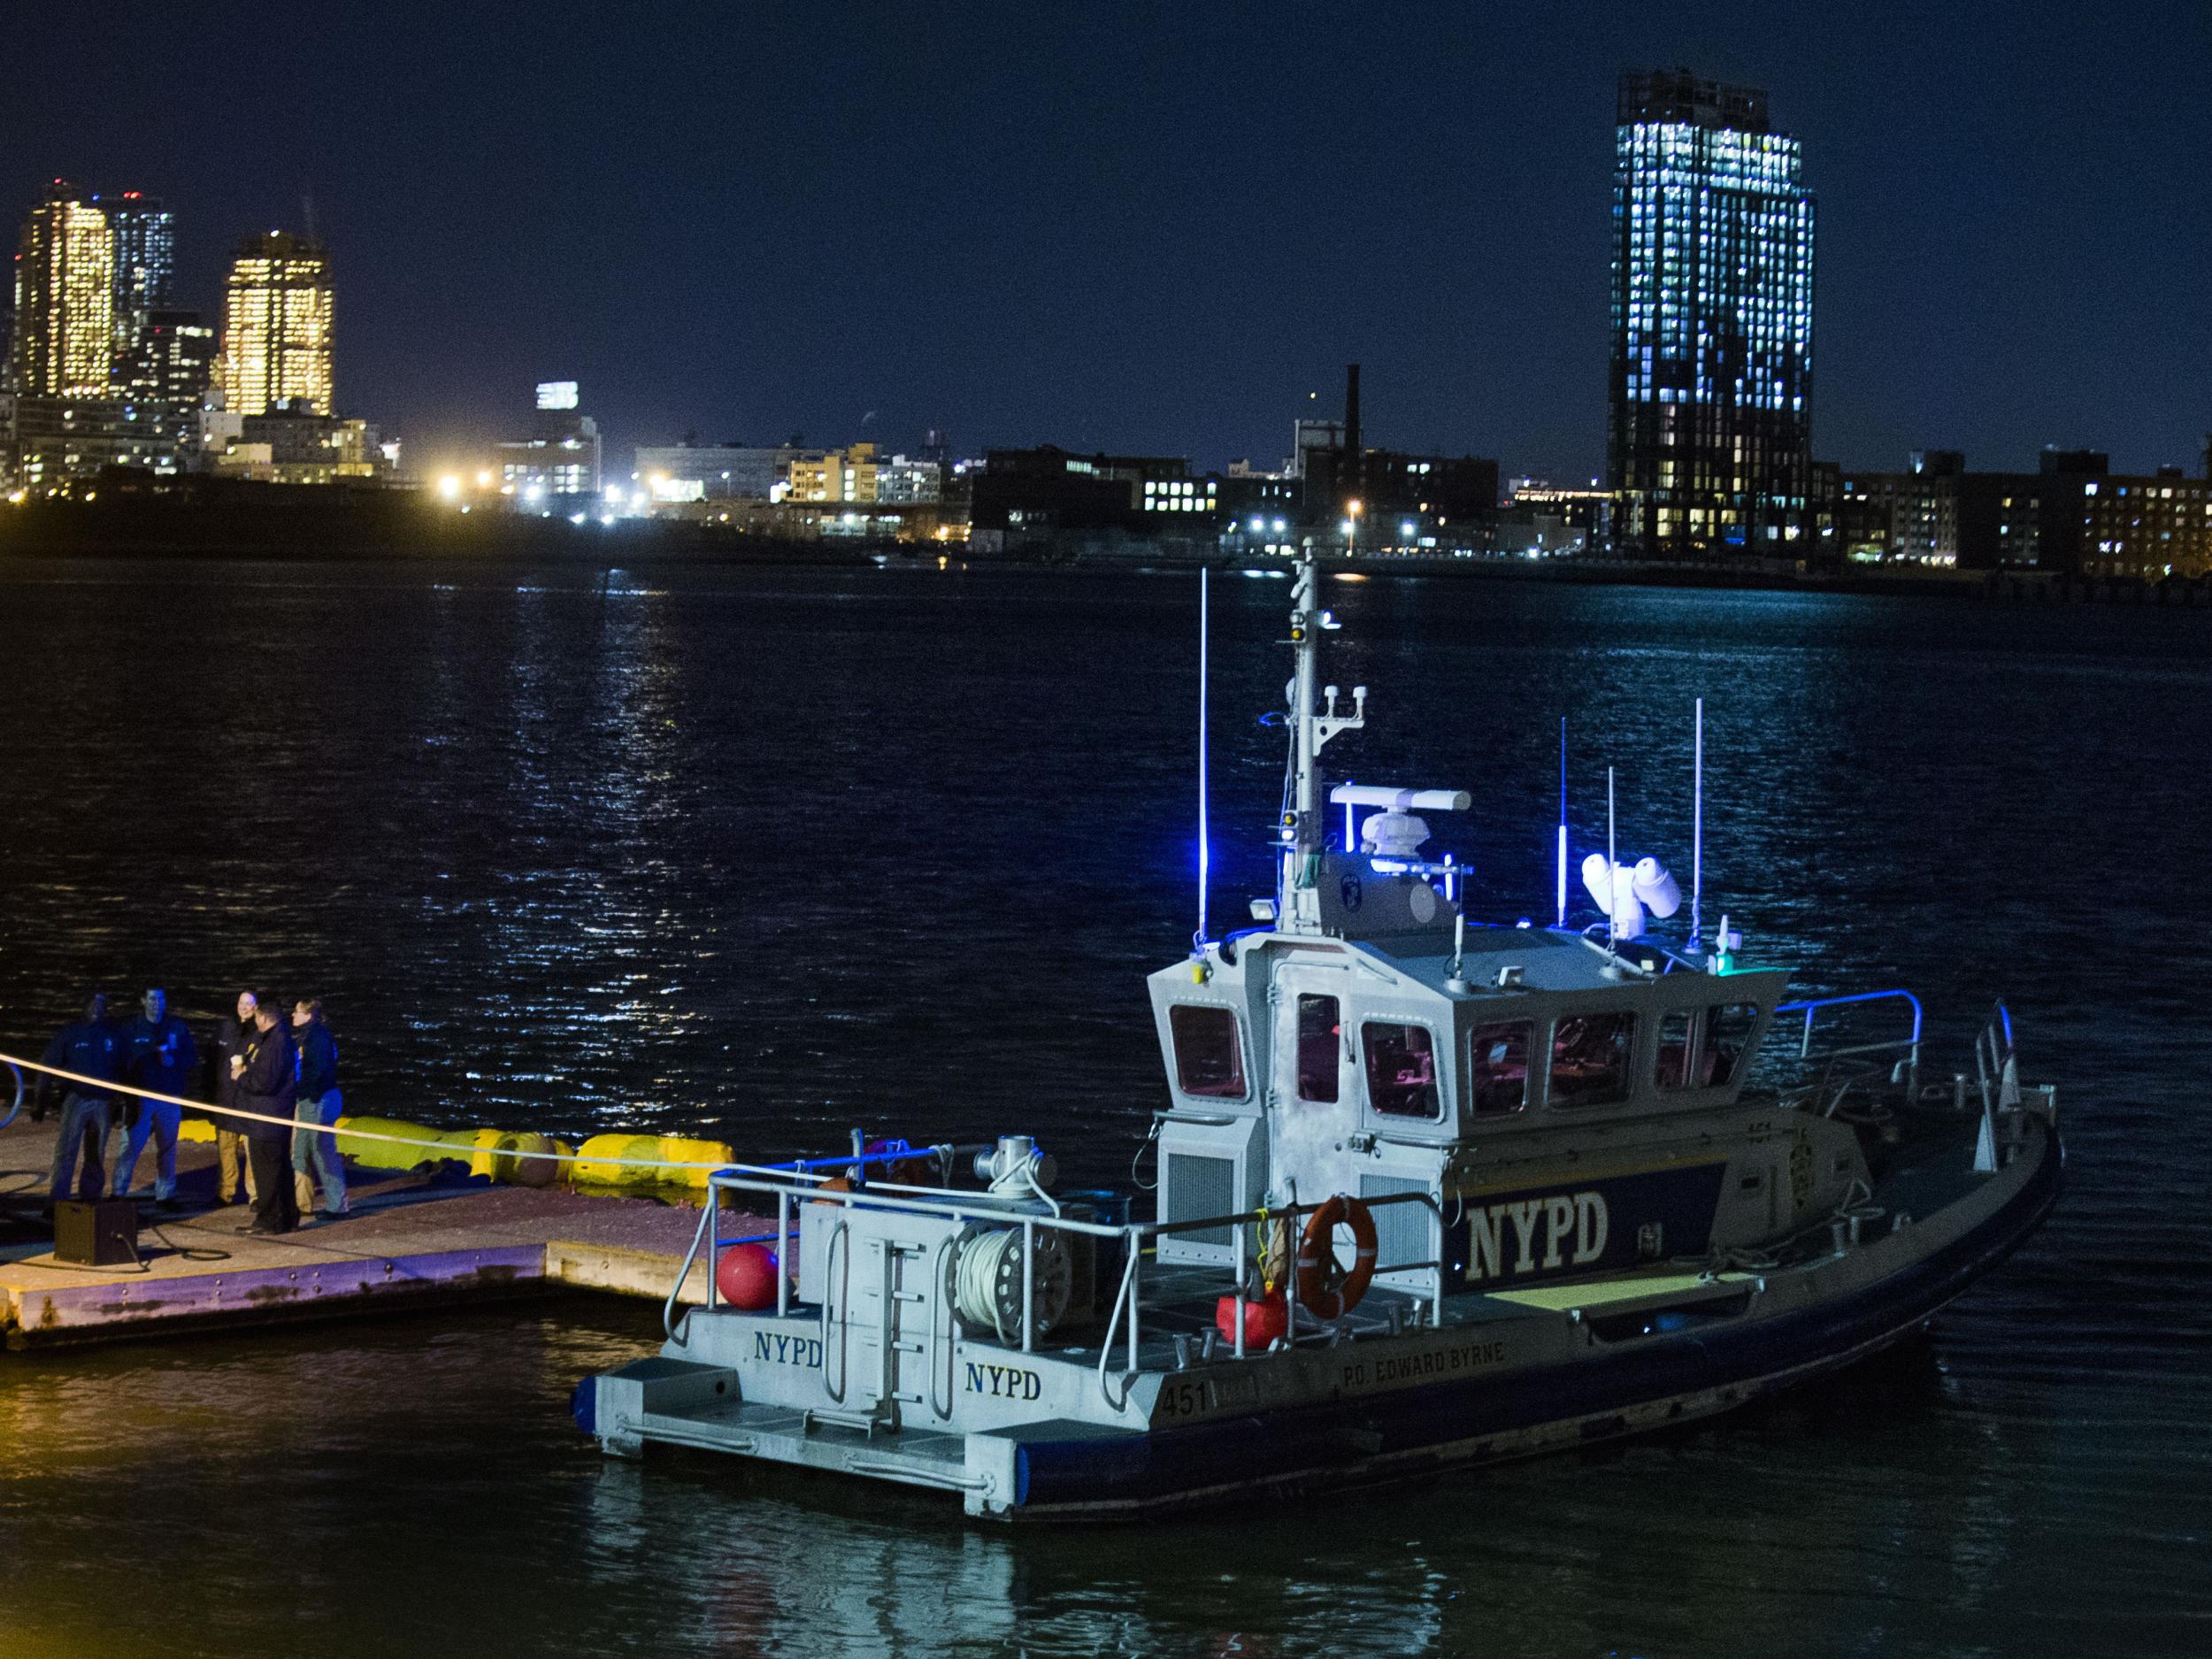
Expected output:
(1401, 1071)
(1497, 1068)
(1675, 1031)
(1208, 1051)
(1318, 1038)
(1589, 1059)
(1728, 1030)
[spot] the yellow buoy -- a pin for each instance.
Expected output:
(424, 1145)
(598, 1169)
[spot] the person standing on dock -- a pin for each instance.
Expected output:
(233, 1170)
(91, 1048)
(266, 1075)
(159, 1055)
(319, 1102)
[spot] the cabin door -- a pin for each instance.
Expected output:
(1313, 1086)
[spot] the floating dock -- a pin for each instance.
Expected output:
(414, 1239)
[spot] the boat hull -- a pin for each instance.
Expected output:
(1661, 1381)
(1488, 1384)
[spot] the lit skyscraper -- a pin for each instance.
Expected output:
(64, 271)
(145, 263)
(1711, 401)
(276, 327)
(172, 363)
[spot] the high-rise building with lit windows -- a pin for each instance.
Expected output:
(173, 361)
(1711, 401)
(276, 327)
(65, 272)
(560, 457)
(145, 236)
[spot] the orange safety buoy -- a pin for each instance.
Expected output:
(1321, 1291)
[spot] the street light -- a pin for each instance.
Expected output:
(1351, 526)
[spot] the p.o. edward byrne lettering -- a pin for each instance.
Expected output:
(1389, 1369)
(1541, 1235)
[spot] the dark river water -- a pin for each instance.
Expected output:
(768, 855)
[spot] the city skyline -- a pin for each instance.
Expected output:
(1066, 240)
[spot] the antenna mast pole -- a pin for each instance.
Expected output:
(1298, 903)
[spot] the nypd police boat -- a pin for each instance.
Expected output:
(1430, 1193)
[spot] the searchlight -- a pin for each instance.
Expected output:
(1627, 892)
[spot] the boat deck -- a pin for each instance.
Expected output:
(1180, 1300)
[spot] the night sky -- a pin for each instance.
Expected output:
(1150, 227)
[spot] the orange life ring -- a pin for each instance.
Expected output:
(1319, 1291)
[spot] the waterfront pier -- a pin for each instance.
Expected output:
(422, 1238)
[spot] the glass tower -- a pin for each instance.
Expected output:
(145, 265)
(64, 270)
(1711, 401)
(276, 327)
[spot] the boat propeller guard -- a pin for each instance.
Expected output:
(1324, 1289)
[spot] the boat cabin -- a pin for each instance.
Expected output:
(1394, 1051)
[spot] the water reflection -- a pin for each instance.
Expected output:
(767, 855)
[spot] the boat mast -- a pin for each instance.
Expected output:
(1304, 830)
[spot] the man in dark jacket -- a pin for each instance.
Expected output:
(160, 1054)
(266, 1072)
(233, 1170)
(92, 1048)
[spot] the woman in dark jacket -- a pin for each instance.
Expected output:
(266, 1072)
(234, 1170)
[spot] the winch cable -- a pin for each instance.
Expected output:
(104, 1086)
(975, 1280)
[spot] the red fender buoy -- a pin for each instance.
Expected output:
(1265, 1318)
(746, 1277)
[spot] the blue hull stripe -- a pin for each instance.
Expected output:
(1158, 1467)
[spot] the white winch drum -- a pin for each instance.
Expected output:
(987, 1283)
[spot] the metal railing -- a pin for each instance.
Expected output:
(1996, 1065)
(1240, 1281)
(1123, 1327)
(1811, 1008)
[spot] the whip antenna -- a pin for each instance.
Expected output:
(1697, 826)
(1562, 921)
(1205, 852)
(1613, 864)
